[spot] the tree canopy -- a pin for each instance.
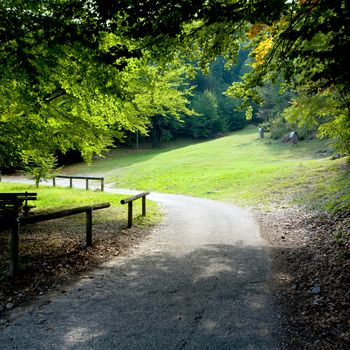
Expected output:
(68, 81)
(76, 74)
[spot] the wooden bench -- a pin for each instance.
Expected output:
(13, 205)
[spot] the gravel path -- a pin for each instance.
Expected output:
(200, 281)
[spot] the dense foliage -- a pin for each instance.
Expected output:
(78, 74)
(214, 112)
(217, 112)
(309, 50)
(69, 82)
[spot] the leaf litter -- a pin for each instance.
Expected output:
(311, 275)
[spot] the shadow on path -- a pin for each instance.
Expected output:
(210, 298)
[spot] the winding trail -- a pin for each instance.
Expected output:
(200, 281)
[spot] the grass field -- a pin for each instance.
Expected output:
(50, 198)
(239, 168)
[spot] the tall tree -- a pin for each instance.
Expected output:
(68, 81)
(309, 49)
(208, 122)
(216, 81)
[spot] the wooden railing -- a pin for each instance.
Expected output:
(130, 200)
(86, 178)
(15, 223)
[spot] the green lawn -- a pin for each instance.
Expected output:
(239, 168)
(50, 198)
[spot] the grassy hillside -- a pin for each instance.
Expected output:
(239, 168)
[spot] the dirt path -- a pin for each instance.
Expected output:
(200, 281)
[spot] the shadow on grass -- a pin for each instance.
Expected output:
(129, 156)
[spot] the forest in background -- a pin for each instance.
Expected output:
(214, 113)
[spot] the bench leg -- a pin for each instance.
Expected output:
(14, 248)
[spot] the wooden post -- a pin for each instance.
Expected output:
(144, 206)
(87, 183)
(14, 247)
(70, 182)
(53, 181)
(129, 214)
(102, 184)
(130, 201)
(89, 227)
